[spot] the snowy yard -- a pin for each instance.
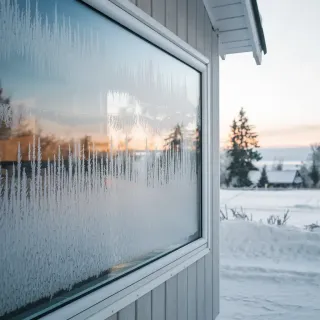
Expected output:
(270, 272)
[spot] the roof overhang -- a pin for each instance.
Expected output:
(239, 25)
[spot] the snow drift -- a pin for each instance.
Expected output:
(251, 241)
(269, 272)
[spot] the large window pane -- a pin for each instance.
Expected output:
(100, 153)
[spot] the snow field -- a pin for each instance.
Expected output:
(270, 272)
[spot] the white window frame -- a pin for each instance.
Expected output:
(111, 298)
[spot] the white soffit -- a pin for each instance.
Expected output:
(238, 26)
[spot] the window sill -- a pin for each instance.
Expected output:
(108, 300)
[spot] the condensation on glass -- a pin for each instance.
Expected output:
(100, 153)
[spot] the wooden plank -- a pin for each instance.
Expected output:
(159, 11)
(182, 19)
(171, 15)
(114, 317)
(172, 299)
(216, 3)
(145, 5)
(229, 11)
(158, 303)
(192, 292)
(235, 44)
(182, 295)
(133, 1)
(200, 26)
(192, 23)
(236, 50)
(201, 290)
(231, 24)
(209, 286)
(143, 307)
(128, 313)
(207, 35)
(215, 223)
(237, 35)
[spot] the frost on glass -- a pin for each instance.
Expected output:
(100, 156)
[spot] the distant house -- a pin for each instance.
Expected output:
(279, 179)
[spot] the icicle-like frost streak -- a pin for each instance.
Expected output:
(64, 197)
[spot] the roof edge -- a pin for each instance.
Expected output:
(258, 22)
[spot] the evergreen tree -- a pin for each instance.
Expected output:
(5, 116)
(305, 175)
(264, 178)
(315, 166)
(242, 151)
(174, 141)
(314, 174)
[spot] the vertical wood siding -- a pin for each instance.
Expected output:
(188, 295)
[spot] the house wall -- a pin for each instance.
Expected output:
(192, 294)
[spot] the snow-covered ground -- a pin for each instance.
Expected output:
(270, 272)
(303, 205)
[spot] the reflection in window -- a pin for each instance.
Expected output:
(99, 152)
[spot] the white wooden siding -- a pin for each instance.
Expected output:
(190, 294)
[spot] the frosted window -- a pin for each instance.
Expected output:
(100, 153)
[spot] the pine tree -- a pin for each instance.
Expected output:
(174, 141)
(242, 151)
(5, 116)
(264, 178)
(315, 166)
(314, 174)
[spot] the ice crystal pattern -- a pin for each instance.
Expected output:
(66, 220)
(73, 216)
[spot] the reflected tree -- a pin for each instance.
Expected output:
(174, 141)
(5, 116)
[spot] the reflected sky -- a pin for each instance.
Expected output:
(72, 67)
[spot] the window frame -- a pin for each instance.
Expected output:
(108, 300)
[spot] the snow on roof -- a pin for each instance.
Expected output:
(274, 177)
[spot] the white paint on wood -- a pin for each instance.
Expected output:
(182, 19)
(236, 35)
(192, 23)
(128, 313)
(200, 26)
(143, 307)
(159, 303)
(235, 20)
(228, 11)
(159, 11)
(215, 222)
(232, 23)
(200, 289)
(207, 35)
(257, 51)
(172, 299)
(171, 15)
(238, 50)
(182, 295)
(216, 3)
(145, 5)
(209, 258)
(235, 44)
(157, 34)
(192, 292)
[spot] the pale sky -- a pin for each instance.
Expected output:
(281, 96)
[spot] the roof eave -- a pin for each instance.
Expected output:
(256, 14)
(255, 28)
